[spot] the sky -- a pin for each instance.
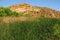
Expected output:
(53, 4)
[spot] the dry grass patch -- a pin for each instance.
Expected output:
(17, 19)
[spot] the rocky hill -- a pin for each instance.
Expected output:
(35, 10)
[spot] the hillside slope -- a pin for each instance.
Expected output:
(35, 10)
(26, 22)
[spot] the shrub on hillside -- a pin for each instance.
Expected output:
(7, 12)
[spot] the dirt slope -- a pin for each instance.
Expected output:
(35, 10)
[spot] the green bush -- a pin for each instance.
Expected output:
(27, 15)
(7, 12)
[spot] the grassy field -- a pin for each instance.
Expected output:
(41, 29)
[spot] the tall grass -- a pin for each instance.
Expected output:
(41, 29)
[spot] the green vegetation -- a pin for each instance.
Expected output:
(27, 15)
(41, 29)
(7, 12)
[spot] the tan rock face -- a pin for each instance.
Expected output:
(34, 10)
(21, 7)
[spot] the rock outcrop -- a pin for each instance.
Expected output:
(35, 10)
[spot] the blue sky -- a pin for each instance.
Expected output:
(54, 4)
